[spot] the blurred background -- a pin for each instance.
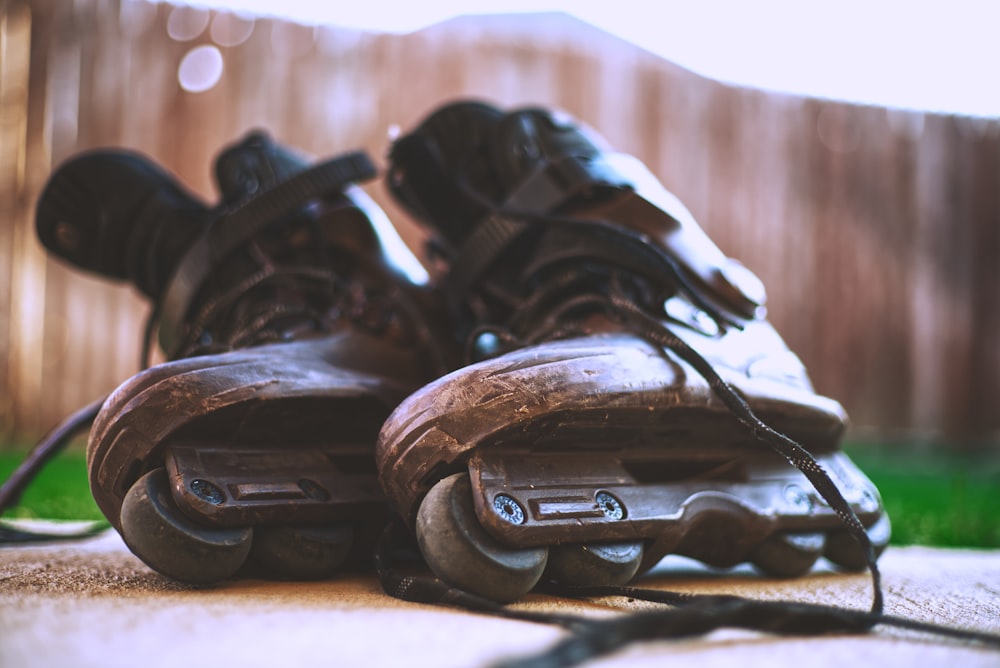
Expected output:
(875, 228)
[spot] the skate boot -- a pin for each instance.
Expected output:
(291, 331)
(612, 349)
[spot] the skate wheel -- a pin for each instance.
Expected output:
(844, 550)
(158, 533)
(595, 564)
(461, 553)
(788, 555)
(302, 552)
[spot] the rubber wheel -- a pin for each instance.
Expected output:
(788, 555)
(844, 550)
(461, 553)
(302, 552)
(596, 564)
(169, 542)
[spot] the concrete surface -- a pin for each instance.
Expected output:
(91, 603)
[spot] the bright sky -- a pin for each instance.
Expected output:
(919, 54)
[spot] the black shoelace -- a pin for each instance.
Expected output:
(686, 615)
(499, 230)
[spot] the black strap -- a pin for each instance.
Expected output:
(237, 227)
(558, 181)
(548, 187)
(481, 249)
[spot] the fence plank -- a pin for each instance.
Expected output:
(876, 231)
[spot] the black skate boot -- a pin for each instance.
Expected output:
(292, 334)
(605, 420)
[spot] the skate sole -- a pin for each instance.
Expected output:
(714, 508)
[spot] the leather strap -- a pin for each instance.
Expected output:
(237, 227)
(541, 193)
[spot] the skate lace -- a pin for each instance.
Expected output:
(530, 322)
(555, 309)
(564, 321)
(683, 615)
(255, 326)
(320, 297)
(537, 319)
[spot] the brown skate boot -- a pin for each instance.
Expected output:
(292, 333)
(622, 378)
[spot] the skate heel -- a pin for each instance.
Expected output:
(294, 512)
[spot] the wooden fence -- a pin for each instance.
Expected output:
(876, 231)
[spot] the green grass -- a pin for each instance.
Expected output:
(933, 497)
(60, 492)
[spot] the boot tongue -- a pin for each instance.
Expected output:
(435, 167)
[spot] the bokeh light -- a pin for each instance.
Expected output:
(230, 29)
(200, 69)
(186, 23)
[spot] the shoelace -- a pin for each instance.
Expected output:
(499, 230)
(688, 615)
(657, 333)
(691, 615)
(317, 288)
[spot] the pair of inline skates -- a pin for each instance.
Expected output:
(590, 384)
